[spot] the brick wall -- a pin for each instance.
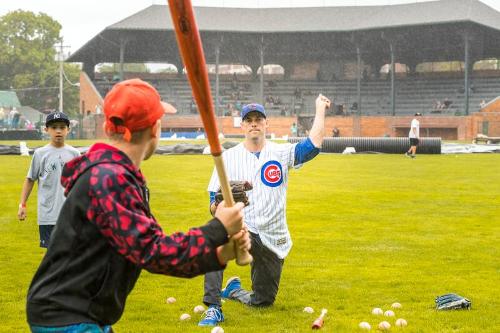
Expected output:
(493, 106)
(344, 125)
(92, 127)
(485, 120)
(171, 122)
(375, 126)
(449, 128)
(89, 96)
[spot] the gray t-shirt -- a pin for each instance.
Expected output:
(46, 167)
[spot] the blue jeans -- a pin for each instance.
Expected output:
(45, 232)
(76, 328)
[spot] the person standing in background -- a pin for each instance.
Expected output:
(414, 136)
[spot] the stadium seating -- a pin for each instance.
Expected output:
(413, 94)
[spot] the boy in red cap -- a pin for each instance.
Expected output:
(106, 234)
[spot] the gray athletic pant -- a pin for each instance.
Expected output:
(265, 274)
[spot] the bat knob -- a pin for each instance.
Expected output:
(243, 258)
(317, 324)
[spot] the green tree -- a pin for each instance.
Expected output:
(27, 60)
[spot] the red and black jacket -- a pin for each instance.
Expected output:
(105, 235)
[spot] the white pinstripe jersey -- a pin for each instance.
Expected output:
(266, 214)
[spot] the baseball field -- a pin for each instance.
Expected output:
(368, 230)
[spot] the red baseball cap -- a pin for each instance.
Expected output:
(137, 104)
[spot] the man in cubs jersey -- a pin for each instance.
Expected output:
(265, 165)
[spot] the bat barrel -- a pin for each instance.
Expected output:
(189, 41)
(191, 49)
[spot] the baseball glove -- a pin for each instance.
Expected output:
(452, 302)
(238, 187)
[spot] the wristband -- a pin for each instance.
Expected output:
(21, 205)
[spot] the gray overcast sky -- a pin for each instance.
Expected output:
(83, 19)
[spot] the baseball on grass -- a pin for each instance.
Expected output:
(199, 309)
(377, 311)
(389, 313)
(384, 326)
(365, 326)
(401, 322)
(185, 316)
(217, 329)
(396, 305)
(171, 300)
(308, 309)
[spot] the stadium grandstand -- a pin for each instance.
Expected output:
(380, 64)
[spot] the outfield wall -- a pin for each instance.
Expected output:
(446, 127)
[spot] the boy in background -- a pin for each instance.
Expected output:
(46, 168)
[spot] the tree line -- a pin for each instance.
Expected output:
(28, 63)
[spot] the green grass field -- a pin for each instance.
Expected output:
(368, 230)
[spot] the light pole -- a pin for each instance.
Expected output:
(60, 57)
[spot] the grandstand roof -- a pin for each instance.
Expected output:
(424, 31)
(353, 18)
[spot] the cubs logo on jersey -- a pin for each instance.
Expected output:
(271, 174)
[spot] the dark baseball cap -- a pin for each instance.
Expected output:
(254, 107)
(56, 116)
(418, 114)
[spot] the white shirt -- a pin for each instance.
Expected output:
(415, 124)
(46, 168)
(266, 214)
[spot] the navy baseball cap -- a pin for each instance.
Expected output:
(56, 116)
(251, 108)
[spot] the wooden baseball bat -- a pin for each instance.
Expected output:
(318, 323)
(189, 42)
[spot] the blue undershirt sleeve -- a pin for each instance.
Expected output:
(305, 151)
(212, 200)
(212, 197)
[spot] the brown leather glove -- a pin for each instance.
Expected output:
(238, 188)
